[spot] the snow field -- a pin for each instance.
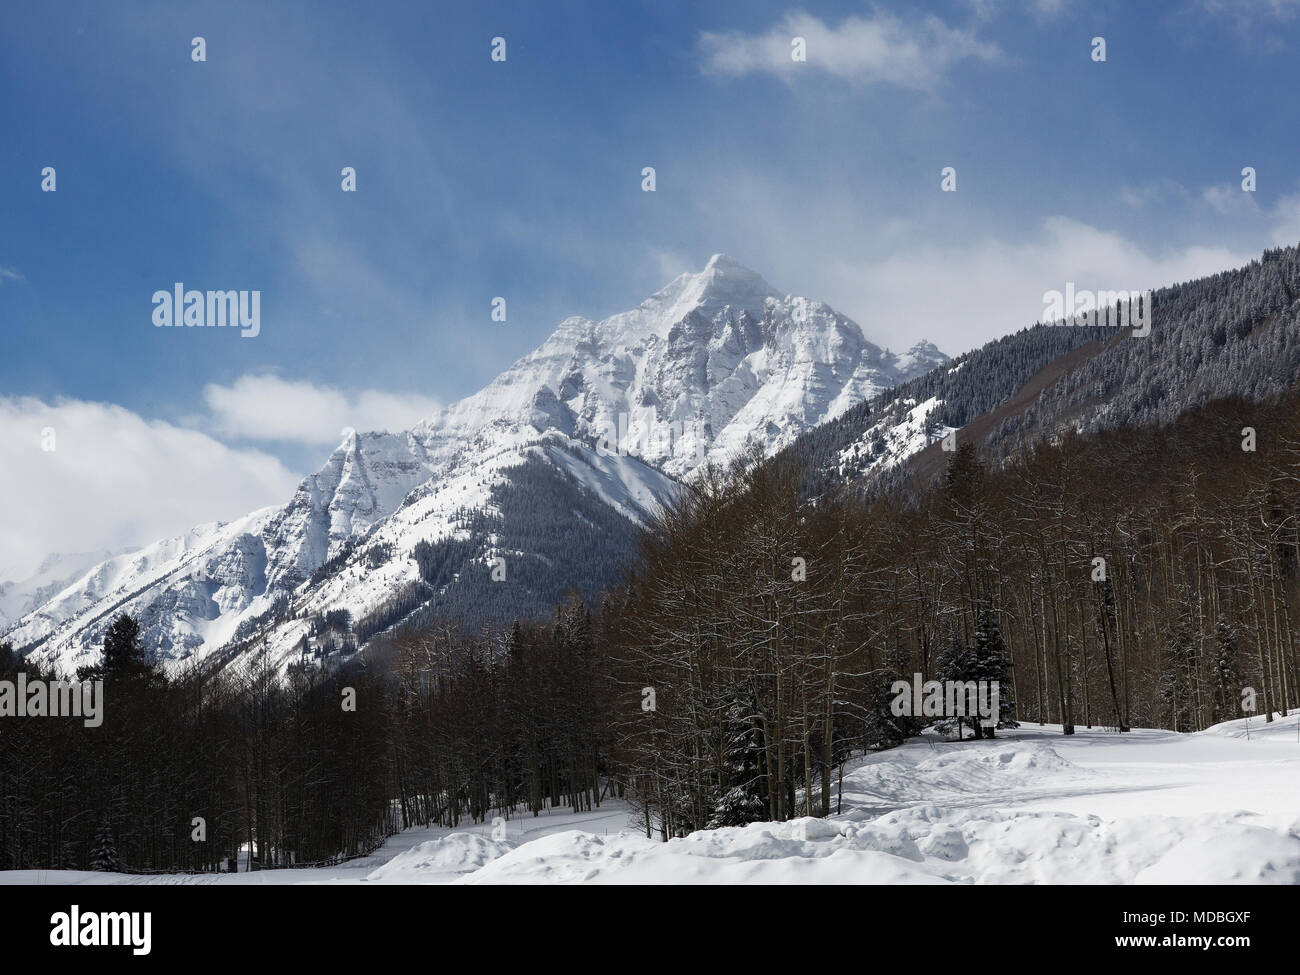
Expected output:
(1030, 807)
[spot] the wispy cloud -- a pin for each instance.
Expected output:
(294, 136)
(1158, 192)
(264, 407)
(1286, 221)
(962, 294)
(1255, 24)
(1247, 11)
(1040, 10)
(877, 49)
(1230, 201)
(10, 274)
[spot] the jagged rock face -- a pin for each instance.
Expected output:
(24, 593)
(364, 481)
(712, 363)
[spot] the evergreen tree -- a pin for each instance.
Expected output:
(124, 655)
(965, 474)
(1227, 672)
(986, 660)
(989, 661)
(881, 727)
(742, 800)
(955, 662)
(1174, 684)
(104, 855)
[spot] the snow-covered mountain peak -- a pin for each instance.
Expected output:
(597, 423)
(920, 358)
(722, 283)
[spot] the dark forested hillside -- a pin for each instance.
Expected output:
(970, 385)
(194, 770)
(550, 536)
(540, 535)
(1233, 334)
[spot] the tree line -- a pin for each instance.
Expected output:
(199, 769)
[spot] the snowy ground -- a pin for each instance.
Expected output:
(1031, 807)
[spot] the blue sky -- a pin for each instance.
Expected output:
(523, 179)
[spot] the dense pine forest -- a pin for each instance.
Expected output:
(1232, 333)
(1135, 577)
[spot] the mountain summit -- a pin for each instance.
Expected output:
(496, 504)
(712, 362)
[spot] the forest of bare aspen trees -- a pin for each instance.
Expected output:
(1143, 577)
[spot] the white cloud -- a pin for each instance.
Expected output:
(267, 408)
(868, 50)
(116, 480)
(10, 274)
(1245, 11)
(962, 295)
(1286, 221)
(670, 263)
(1042, 10)
(1230, 201)
(960, 279)
(1162, 191)
(1048, 8)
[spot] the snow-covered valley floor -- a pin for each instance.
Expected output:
(1032, 806)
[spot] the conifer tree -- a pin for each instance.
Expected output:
(104, 855)
(990, 662)
(124, 654)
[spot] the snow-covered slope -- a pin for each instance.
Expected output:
(1032, 806)
(191, 591)
(892, 439)
(224, 582)
(616, 409)
(23, 592)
